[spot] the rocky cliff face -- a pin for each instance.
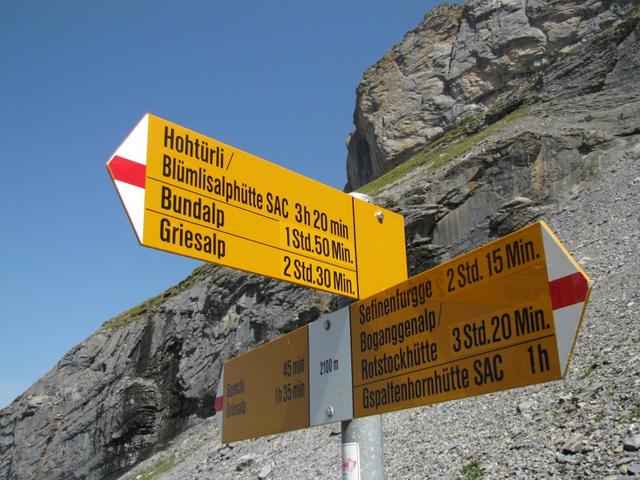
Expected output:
(503, 113)
(144, 376)
(458, 64)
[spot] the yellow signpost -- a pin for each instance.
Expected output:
(502, 316)
(505, 315)
(189, 194)
(298, 380)
(266, 390)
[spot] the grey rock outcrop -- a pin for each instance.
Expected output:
(402, 97)
(459, 63)
(145, 376)
(581, 114)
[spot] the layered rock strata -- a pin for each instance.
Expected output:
(457, 64)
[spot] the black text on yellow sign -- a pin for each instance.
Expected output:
(210, 201)
(267, 389)
(482, 322)
(503, 316)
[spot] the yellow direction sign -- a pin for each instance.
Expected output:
(503, 316)
(189, 194)
(266, 390)
(299, 380)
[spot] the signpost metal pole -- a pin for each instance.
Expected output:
(362, 453)
(362, 448)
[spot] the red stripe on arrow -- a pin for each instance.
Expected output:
(126, 171)
(568, 290)
(218, 405)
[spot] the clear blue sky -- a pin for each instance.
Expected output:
(276, 79)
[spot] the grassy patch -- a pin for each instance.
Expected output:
(443, 150)
(472, 471)
(158, 469)
(148, 305)
(634, 415)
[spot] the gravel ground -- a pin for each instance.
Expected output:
(586, 426)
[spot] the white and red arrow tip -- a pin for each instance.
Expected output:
(569, 288)
(128, 169)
